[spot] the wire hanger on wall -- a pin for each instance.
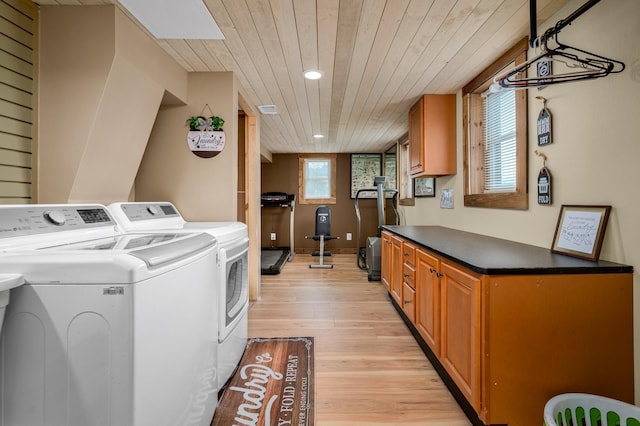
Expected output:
(577, 64)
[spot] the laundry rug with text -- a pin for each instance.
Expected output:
(273, 385)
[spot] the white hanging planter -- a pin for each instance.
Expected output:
(206, 144)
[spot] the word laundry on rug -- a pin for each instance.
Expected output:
(273, 385)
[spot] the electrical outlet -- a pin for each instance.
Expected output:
(348, 236)
(273, 236)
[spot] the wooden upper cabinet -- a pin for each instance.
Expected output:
(432, 136)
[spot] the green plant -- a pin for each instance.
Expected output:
(216, 122)
(194, 122)
(198, 122)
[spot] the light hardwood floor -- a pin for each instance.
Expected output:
(369, 370)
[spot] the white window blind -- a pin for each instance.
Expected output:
(500, 141)
(317, 178)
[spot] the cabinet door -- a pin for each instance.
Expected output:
(395, 285)
(416, 136)
(460, 339)
(432, 136)
(428, 299)
(385, 260)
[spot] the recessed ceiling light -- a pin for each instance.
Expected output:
(312, 74)
(318, 135)
(170, 19)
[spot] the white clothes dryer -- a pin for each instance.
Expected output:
(109, 328)
(233, 296)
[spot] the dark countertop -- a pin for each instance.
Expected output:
(494, 256)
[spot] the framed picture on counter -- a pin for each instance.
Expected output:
(425, 187)
(580, 231)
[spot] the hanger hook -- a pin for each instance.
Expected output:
(544, 101)
(544, 158)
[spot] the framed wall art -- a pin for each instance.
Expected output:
(580, 231)
(425, 187)
(365, 167)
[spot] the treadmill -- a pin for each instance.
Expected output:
(273, 259)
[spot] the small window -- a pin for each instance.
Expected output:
(495, 139)
(317, 178)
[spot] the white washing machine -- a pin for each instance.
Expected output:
(109, 328)
(233, 241)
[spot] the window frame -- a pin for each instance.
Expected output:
(474, 195)
(332, 158)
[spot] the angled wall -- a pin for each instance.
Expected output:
(101, 83)
(203, 189)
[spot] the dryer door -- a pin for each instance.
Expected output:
(234, 263)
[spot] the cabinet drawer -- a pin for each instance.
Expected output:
(409, 275)
(409, 253)
(409, 302)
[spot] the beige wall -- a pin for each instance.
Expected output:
(593, 159)
(101, 82)
(203, 189)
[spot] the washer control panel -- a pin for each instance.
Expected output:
(16, 221)
(149, 211)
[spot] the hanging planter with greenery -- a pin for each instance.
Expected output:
(205, 137)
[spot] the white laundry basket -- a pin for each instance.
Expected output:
(581, 409)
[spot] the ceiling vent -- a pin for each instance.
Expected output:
(268, 109)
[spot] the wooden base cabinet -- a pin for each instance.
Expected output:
(395, 269)
(552, 334)
(428, 299)
(385, 267)
(409, 302)
(511, 342)
(408, 280)
(460, 327)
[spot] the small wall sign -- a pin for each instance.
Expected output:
(206, 144)
(446, 199)
(544, 181)
(544, 124)
(544, 187)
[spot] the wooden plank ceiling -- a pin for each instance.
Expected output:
(377, 56)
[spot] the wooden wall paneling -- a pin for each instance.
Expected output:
(348, 18)
(327, 16)
(379, 52)
(378, 57)
(17, 44)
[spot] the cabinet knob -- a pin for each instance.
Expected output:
(439, 275)
(405, 254)
(406, 275)
(406, 302)
(432, 270)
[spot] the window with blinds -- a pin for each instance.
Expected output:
(495, 138)
(17, 40)
(317, 178)
(499, 112)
